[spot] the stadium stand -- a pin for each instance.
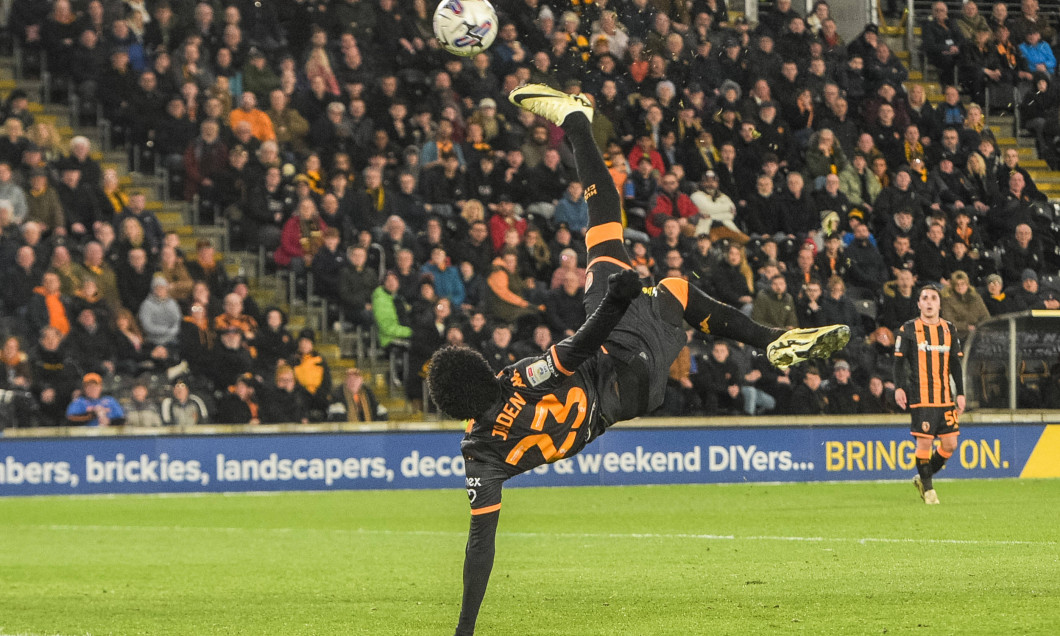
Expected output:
(276, 211)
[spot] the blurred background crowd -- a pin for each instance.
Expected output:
(786, 171)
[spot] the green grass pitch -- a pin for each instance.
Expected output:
(850, 558)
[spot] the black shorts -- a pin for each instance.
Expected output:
(643, 339)
(933, 421)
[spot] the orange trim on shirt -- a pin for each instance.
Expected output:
(678, 287)
(600, 233)
(609, 259)
(559, 365)
(485, 511)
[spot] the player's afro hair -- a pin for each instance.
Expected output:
(461, 382)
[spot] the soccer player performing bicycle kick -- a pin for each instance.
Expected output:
(614, 368)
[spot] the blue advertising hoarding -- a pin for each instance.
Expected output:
(625, 456)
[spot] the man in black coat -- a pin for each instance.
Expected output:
(563, 307)
(718, 381)
(808, 398)
(867, 269)
(942, 42)
(900, 306)
(844, 397)
(286, 401)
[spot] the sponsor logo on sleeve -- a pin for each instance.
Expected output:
(538, 372)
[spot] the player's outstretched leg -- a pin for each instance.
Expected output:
(574, 113)
(783, 348)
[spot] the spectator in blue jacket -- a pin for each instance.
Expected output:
(447, 282)
(1037, 55)
(573, 209)
(92, 408)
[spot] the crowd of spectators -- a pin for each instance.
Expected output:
(784, 170)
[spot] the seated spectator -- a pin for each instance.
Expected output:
(134, 278)
(879, 398)
(808, 307)
(184, 408)
(92, 408)
(49, 307)
(942, 42)
(327, 266)
(506, 218)
(930, 262)
(506, 297)
(808, 398)
(261, 125)
(273, 342)
(356, 284)
(1011, 161)
(208, 267)
(498, 349)
(197, 341)
(1022, 251)
(287, 402)
(131, 351)
(142, 410)
(390, 311)
(160, 318)
(832, 260)
(92, 344)
(1031, 296)
(1037, 56)
(997, 300)
(717, 212)
(670, 202)
(312, 372)
(1040, 110)
(962, 305)
(20, 279)
(867, 269)
(838, 309)
(731, 280)
(843, 396)
(724, 390)
(671, 238)
(13, 361)
(572, 209)
(428, 335)
(303, 234)
(775, 307)
(171, 266)
(354, 401)
(239, 405)
(444, 185)
(446, 279)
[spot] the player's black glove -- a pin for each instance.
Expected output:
(624, 285)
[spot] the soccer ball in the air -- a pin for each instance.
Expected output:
(465, 27)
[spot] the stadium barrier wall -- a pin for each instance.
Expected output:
(99, 461)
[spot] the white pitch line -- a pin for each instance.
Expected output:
(537, 535)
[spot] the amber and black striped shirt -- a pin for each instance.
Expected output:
(925, 357)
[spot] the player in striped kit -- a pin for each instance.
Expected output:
(927, 355)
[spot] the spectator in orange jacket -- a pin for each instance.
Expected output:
(260, 124)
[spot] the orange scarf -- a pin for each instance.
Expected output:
(56, 311)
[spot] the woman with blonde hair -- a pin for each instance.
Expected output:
(984, 188)
(130, 349)
(171, 266)
(472, 212)
(113, 194)
(318, 65)
(45, 136)
(131, 236)
(733, 280)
